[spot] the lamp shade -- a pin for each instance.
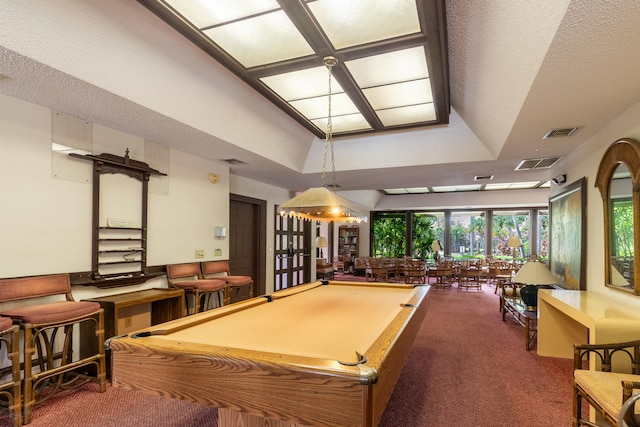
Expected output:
(534, 273)
(321, 204)
(436, 246)
(321, 242)
(514, 242)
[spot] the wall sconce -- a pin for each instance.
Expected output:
(220, 232)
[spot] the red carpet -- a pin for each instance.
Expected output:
(467, 368)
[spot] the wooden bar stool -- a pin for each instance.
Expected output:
(221, 270)
(11, 390)
(189, 277)
(52, 353)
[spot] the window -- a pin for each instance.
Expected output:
(389, 234)
(468, 234)
(507, 224)
(462, 234)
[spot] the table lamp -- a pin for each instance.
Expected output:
(321, 242)
(436, 246)
(514, 242)
(534, 275)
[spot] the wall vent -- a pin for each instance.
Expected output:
(483, 178)
(543, 163)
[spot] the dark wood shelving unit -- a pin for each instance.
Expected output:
(101, 236)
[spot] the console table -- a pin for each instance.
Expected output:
(529, 319)
(567, 317)
(130, 311)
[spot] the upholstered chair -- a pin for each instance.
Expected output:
(222, 270)
(48, 336)
(200, 293)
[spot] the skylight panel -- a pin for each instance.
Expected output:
(261, 40)
(399, 94)
(407, 115)
(314, 108)
(205, 13)
(391, 67)
(302, 84)
(356, 22)
(346, 123)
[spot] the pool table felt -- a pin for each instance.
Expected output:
(330, 322)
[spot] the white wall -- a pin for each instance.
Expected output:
(584, 162)
(45, 222)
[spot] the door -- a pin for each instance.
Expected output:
(293, 253)
(247, 237)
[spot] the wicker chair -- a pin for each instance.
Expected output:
(415, 271)
(376, 270)
(48, 337)
(605, 390)
(10, 390)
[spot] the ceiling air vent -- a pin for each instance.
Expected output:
(559, 133)
(543, 163)
(234, 161)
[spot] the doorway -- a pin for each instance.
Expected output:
(247, 240)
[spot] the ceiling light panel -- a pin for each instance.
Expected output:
(356, 22)
(379, 43)
(315, 108)
(450, 188)
(503, 186)
(308, 83)
(346, 123)
(399, 94)
(391, 67)
(407, 115)
(395, 190)
(205, 13)
(260, 40)
(513, 185)
(418, 190)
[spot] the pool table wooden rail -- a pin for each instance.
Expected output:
(248, 386)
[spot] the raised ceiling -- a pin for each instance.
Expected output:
(392, 68)
(516, 69)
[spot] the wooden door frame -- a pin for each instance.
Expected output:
(261, 252)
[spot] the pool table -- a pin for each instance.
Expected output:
(324, 353)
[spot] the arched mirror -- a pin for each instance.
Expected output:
(618, 180)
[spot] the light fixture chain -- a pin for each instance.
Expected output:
(329, 139)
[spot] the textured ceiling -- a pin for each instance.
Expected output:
(517, 70)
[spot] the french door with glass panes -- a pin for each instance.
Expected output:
(292, 252)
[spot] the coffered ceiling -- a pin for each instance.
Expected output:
(390, 71)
